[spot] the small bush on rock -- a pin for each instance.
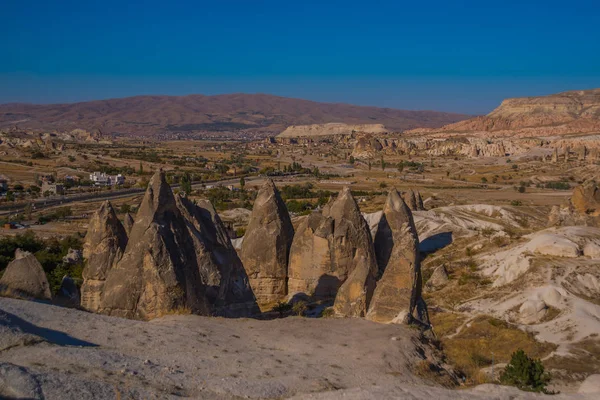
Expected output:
(525, 373)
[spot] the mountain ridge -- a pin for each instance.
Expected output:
(257, 114)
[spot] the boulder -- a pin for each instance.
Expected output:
(397, 297)
(438, 279)
(266, 246)
(73, 257)
(103, 246)
(228, 290)
(128, 223)
(158, 273)
(24, 277)
(532, 311)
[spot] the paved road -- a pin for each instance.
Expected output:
(115, 194)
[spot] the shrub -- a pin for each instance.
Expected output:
(282, 307)
(299, 308)
(525, 373)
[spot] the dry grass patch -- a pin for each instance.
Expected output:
(486, 339)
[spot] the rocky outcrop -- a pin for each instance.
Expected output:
(583, 208)
(557, 114)
(159, 271)
(24, 277)
(410, 199)
(438, 278)
(228, 290)
(353, 256)
(128, 223)
(103, 246)
(586, 199)
(397, 297)
(332, 256)
(266, 246)
(68, 294)
(330, 129)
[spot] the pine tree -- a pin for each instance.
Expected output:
(525, 373)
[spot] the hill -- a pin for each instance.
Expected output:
(571, 112)
(236, 115)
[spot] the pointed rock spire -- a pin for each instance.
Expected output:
(128, 223)
(104, 244)
(24, 277)
(266, 245)
(228, 289)
(410, 199)
(158, 271)
(398, 294)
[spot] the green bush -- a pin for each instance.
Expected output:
(525, 373)
(282, 307)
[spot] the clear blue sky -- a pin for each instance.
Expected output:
(463, 56)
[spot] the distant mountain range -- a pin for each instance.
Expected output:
(244, 115)
(567, 113)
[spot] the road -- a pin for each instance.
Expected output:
(41, 204)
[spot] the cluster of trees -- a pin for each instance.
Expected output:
(49, 253)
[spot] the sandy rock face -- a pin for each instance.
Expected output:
(583, 208)
(397, 296)
(228, 289)
(104, 244)
(158, 272)
(266, 245)
(25, 277)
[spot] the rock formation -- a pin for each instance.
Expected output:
(104, 244)
(266, 245)
(419, 199)
(353, 256)
(68, 294)
(128, 223)
(228, 289)
(397, 297)
(410, 199)
(24, 277)
(158, 272)
(332, 257)
(583, 208)
(330, 129)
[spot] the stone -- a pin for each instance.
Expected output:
(438, 278)
(103, 246)
(532, 311)
(128, 223)
(73, 257)
(24, 277)
(228, 288)
(158, 273)
(266, 246)
(397, 297)
(586, 199)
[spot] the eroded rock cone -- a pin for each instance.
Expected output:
(266, 245)
(397, 297)
(311, 270)
(410, 199)
(353, 257)
(24, 277)
(128, 223)
(228, 289)
(158, 272)
(103, 246)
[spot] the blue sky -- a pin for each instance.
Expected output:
(462, 56)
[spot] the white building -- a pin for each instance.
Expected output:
(102, 179)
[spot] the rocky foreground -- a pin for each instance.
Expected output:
(50, 352)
